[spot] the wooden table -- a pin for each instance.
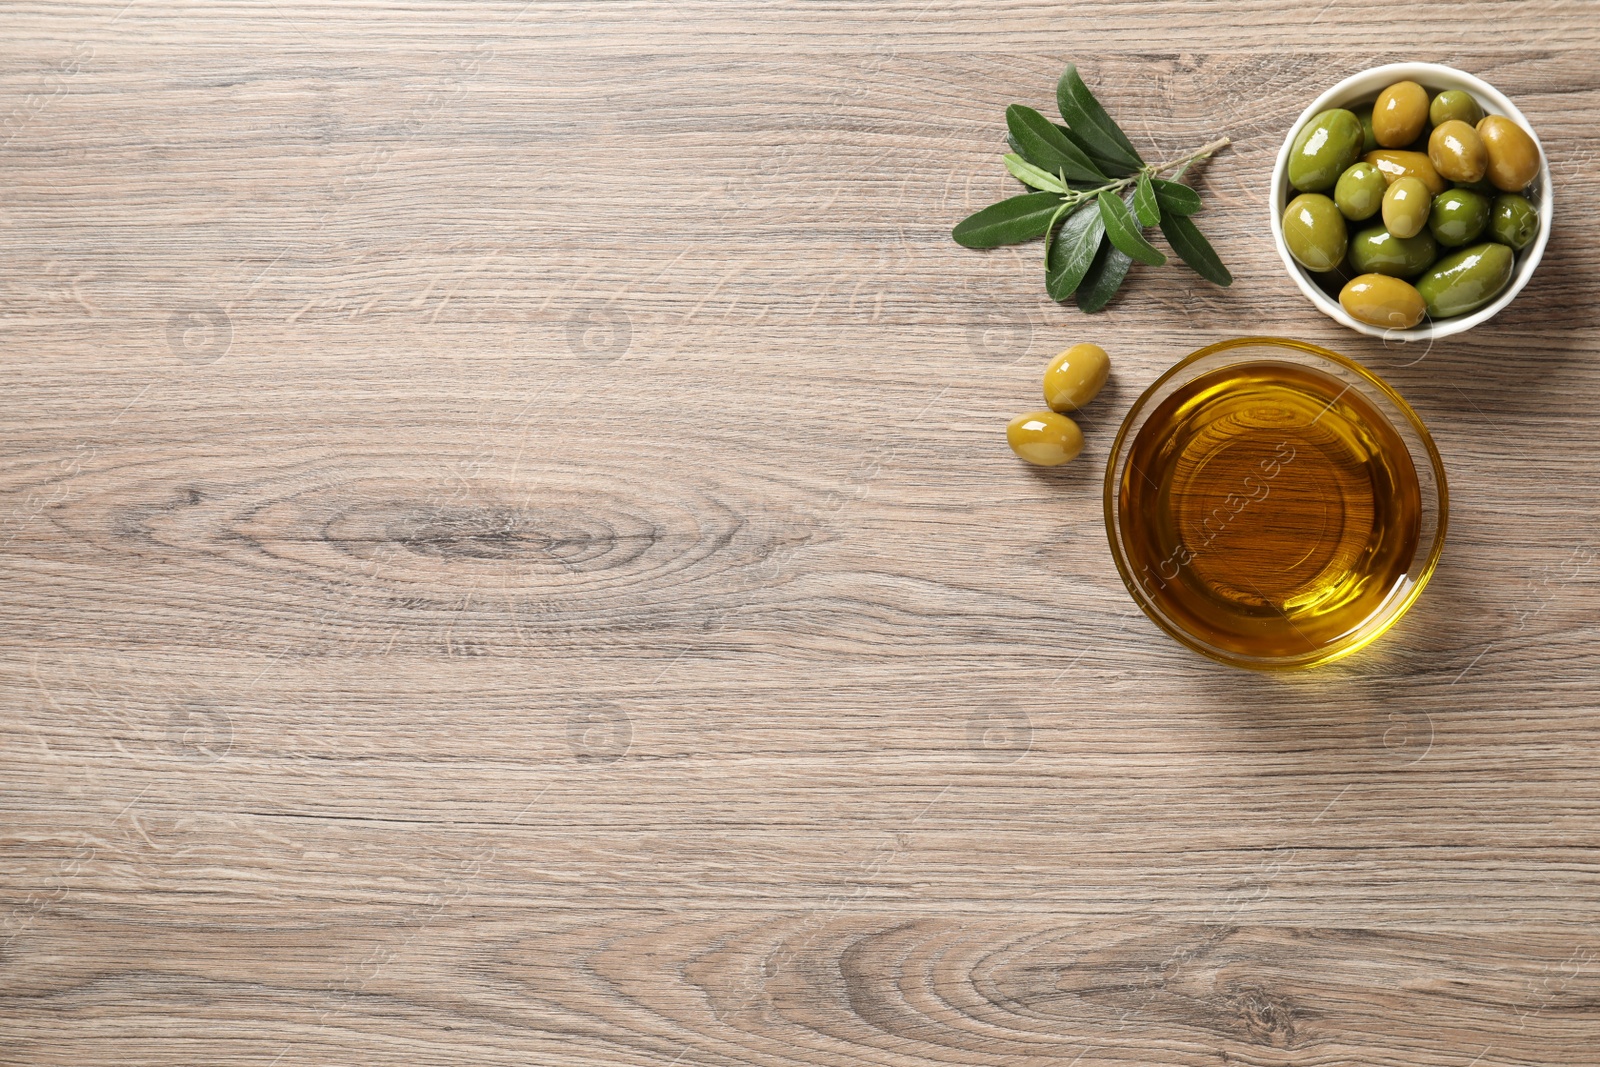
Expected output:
(510, 558)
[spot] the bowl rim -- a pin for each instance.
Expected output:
(1427, 329)
(1396, 613)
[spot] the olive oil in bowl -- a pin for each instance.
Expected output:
(1268, 513)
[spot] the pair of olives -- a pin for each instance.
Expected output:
(1071, 380)
(1429, 173)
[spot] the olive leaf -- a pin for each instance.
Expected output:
(1144, 201)
(1028, 174)
(1111, 167)
(1087, 172)
(1104, 278)
(1044, 145)
(1175, 198)
(1192, 247)
(1066, 206)
(1073, 251)
(1123, 229)
(1021, 218)
(1101, 138)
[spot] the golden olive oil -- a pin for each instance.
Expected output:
(1269, 509)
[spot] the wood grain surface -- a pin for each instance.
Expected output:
(509, 557)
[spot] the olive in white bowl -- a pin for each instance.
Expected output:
(1482, 240)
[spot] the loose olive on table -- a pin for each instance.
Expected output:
(1314, 230)
(1074, 377)
(1044, 438)
(1405, 207)
(1440, 175)
(1071, 380)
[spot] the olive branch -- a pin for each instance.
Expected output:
(1088, 161)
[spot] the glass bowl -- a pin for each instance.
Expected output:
(1277, 513)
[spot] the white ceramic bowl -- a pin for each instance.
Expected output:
(1363, 88)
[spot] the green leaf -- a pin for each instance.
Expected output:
(1092, 235)
(1050, 228)
(1073, 251)
(1123, 229)
(1090, 125)
(1028, 174)
(1105, 277)
(1144, 201)
(1194, 249)
(1046, 147)
(1111, 167)
(1019, 218)
(1176, 198)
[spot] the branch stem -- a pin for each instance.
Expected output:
(1181, 163)
(1199, 153)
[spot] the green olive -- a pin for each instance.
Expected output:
(1359, 193)
(1377, 251)
(1044, 438)
(1398, 164)
(1368, 141)
(1514, 221)
(1454, 104)
(1314, 231)
(1074, 377)
(1458, 217)
(1457, 152)
(1513, 155)
(1327, 144)
(1405, 207)
(1399, 114)
(1380, 300)
(1466, 280)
